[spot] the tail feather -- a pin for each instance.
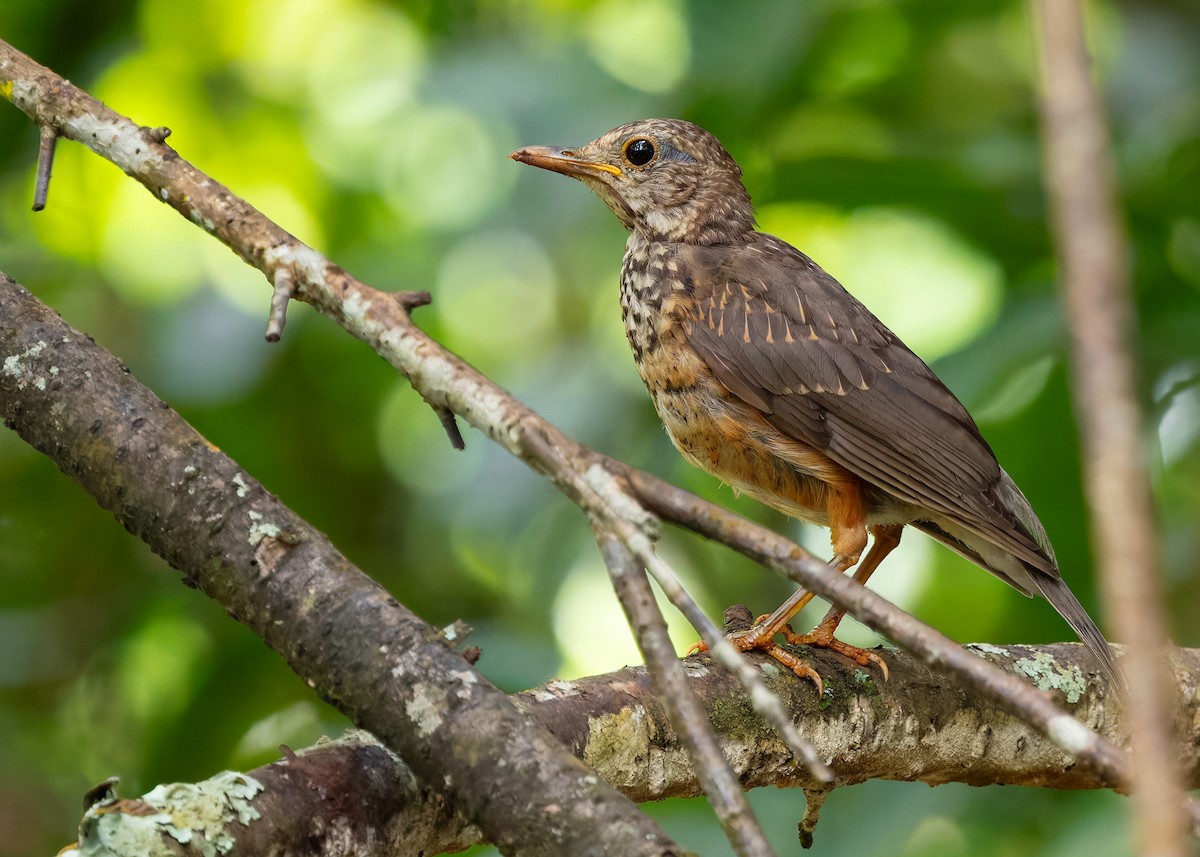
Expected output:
(1054, 590)
(1024, 558)
(1030, 580)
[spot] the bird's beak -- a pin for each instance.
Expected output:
(565, 161)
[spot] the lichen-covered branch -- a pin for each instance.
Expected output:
(340, 631)
(915, 727)
(349, 796)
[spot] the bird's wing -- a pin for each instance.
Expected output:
(786, 338)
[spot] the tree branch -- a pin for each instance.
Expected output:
(915, 727)
(683, 708)
(1095, 281)
(341, 632)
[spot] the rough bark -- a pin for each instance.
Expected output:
(354, 644)
(918, 726)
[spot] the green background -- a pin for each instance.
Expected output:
(894, 142)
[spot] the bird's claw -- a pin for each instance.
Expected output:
(756, 638)
(824, 639)
(745, 641)
(797, 665)
(862, 657)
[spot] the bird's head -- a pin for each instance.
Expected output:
(667, 178)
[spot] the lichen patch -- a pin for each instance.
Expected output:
(1047, 674)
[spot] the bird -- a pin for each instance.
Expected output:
(767, 373)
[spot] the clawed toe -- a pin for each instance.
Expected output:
(759, 638)
(822, 637)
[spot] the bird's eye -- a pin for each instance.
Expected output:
(639, 151)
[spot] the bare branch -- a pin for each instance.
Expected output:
(915, 727)
(341, 632)
(1095, 282)
(350, 796)
(450, 426)
(687, 716)
(280, 298)
(46, 144)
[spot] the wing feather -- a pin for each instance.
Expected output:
(786, 338)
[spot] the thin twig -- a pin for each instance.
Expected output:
(48, 138)
(281, 296)
(688, 717)
(408, 301)
(814, 799)
(450, 425)
(1095, 282)
(601, 496)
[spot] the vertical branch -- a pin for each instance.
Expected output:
(1095, 282)
(688, 716)
(47, 140)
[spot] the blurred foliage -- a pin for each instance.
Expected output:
(896, 142)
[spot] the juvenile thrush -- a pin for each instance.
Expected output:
(768, 374)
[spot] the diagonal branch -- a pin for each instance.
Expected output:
(341, 632)
(686, 715)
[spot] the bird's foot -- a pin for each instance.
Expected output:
(755, 638)
(759, 638)
(822, 636)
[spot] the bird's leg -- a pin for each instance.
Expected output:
(886, 539)
(762, 634)
(847, 511)
(846, 507)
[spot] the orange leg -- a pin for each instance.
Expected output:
(886, 539)
(847, 510)
(762, 635)
(848, 532)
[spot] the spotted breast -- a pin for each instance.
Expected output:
(712, 428)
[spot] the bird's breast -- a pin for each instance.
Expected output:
(645, 284)
(711, 427)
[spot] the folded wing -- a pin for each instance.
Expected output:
(786, 338)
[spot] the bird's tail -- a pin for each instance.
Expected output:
(1024, 559)
(1064, 601)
